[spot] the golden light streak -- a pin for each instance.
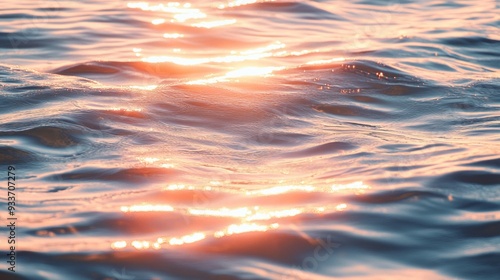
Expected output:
(154, 160)
(247, 215)
(147, 208)
(341, 207)
(274, 214)
(253, 54)
(243, 72)
(252, 71)
(280, 190)
(158, 21)
(320, 209)
(326, 61)
(274, 46)
(184, 17)
(187, 239)
(172, 35)
(149, 159)
(223, 212)
(146, 87)
(242, 228)
(194, 237)
(237, 3)
(140, 244)
(212, 24)
(181, 13)
(119, 244)
(126, 109)
(358, 187)
(137, 51)
(173, 187)
(303, 52)
(257, 213)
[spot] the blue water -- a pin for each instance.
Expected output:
(251, 139)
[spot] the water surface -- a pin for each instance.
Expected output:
(252, 139)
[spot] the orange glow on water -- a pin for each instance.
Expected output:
(274, 214)
(190, 128)
(358, 187)
(237, 3)
(246, 215)
(173, 187)
(280, 190)
(119, 244)
(172, 35)
(212, 24)
(240, 73)
(147, 208)
(243, 228)
(197, 236)
(126, 109)
(274, 46)
(140, 244)
(253, 54)
(150, 159)
(341, 207)
(180, 12)
(252, 71)
(158, 21)
(223, 212)
(194, 237)
(326, 61)
(145, 87)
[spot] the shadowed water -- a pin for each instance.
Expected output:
(252, 139)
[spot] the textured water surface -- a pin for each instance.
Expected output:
(252, 139)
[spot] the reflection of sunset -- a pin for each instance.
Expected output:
(126, 109)
(119, 244)
(251, 71)
(355, 187)
(274, 214)
(140, 244)
(243, 72)
(212, 24)
(253, 54)
(280, 189)
(243, 228)
(194, 237)
(246, 215)
(145, 87)
(223, 212)
(172, 35)
(326, 61)
(341, 207)
(147, 208)
(236, 139)
(259, 213)
(158, 21)
(181, 12)
(173, 187)
(358, 187)
(237, 3)
(150, 159)
(197, 236)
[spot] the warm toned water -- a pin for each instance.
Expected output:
(242, 140)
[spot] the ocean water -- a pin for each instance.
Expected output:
(251, 139)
